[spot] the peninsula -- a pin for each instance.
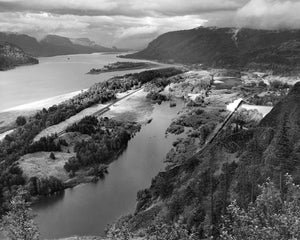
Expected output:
(122, 66)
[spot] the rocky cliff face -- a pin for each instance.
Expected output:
(227, 47)
(12, 56)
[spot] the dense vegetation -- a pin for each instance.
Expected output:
(51, 45)
(275, 214)
(226, 47)
(19, 223)
(108, 138)
(20, 142)
(119, 66)
(12, 56)
(198, 190)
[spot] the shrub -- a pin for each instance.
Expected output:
(52, 156)
(20, 121)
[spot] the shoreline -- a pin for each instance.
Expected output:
(8, 116)
(44, 103)
(140, 110)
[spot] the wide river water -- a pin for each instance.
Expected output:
(53, 76)
(87, 209)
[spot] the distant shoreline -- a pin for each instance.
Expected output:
(143, 65)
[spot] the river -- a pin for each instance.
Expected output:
(87, 209)
(53, 76)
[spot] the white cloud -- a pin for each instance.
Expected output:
(270, 14)
(40, 23)
(130, 23)
(107, 30)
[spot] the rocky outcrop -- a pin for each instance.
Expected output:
(12, 56)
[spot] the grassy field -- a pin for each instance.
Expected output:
(42, 166)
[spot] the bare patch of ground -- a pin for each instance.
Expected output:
(134, 108)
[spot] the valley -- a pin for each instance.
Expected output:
(132, 151)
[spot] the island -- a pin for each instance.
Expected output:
(122, 66)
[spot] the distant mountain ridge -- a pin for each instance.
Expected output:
(52, 45)
(12, 56)
(227, 47)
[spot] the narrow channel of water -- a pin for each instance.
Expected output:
(87, 209)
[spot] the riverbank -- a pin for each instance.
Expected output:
(9, 116)
(204, 112)
(88, 208)
(133, 104)
(215, 138)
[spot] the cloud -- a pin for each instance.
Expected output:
(121, 7)
(40, 24)
(121, 31)
(134, 23)
(270, 14)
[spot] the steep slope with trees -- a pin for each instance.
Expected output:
(12, 56)
(227, 47)
(51, 45)
(198, 191)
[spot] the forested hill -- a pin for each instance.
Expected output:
(198, 191)
(12, 56)
(52, 45)
(228, 47)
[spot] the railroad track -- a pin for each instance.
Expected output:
(212, 138)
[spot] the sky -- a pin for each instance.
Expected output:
(134, 23)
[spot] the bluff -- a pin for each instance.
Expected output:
(51, 45)
(12, 56)
(228, 47)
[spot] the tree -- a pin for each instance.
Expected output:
(119, 232)
(20, 121)
(52, 156)
(283, 151)
(161, 230)
(18, 223)
(270, 217)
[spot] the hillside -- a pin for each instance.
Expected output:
(57, 45)
(51, 45)
(227, 47)
(197, 191)
(12, 56)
